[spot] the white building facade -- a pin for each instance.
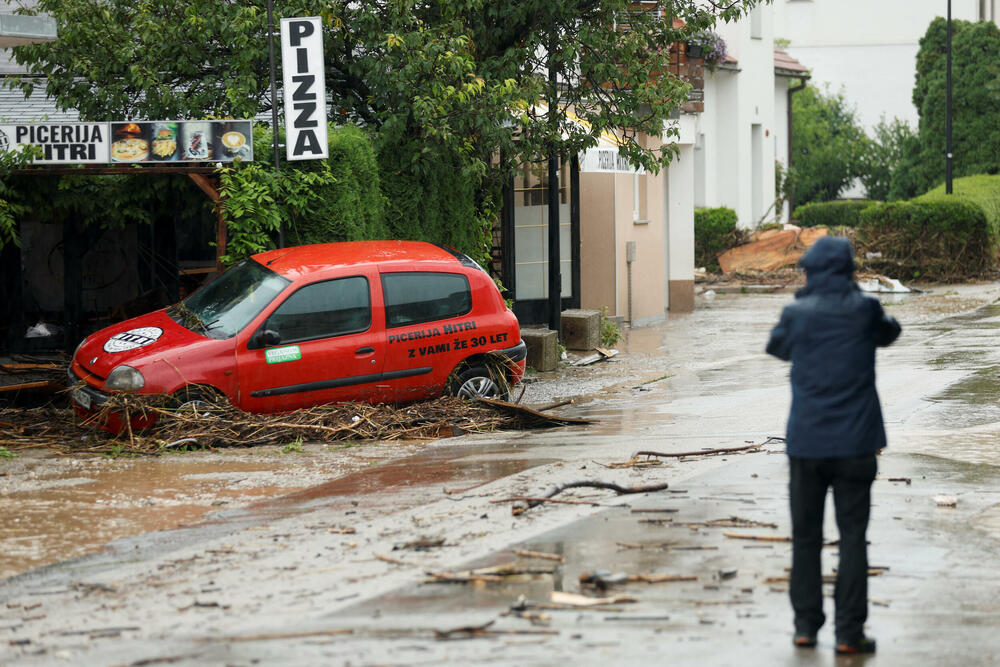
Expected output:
(866, 48)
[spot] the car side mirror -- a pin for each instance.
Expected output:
(266, 338)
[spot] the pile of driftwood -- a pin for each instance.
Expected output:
(217, 423)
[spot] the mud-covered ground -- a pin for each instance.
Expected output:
(57, 507)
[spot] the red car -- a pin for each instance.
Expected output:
(373, 321)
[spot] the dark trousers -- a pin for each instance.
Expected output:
(851, 479)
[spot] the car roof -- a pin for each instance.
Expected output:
(298, 261)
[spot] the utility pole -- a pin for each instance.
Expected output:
(555, 279)
(274, 105)
(947, 112)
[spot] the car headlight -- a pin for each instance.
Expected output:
(125, 378)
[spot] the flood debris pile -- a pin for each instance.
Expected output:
(216, 423)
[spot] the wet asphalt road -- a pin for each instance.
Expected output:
(325, 576)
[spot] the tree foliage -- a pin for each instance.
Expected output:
(444, 86)
(828, 145)
(975, 115)
(337, 199)
(884, 152)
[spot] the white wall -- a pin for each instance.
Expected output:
(867, 48)
(730, 172)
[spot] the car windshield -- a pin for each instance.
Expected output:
(227, 304)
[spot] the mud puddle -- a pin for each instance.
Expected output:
(56, 508)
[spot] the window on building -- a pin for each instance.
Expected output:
(756, 23)
(639, 211)
(322, 310)
(411, 298)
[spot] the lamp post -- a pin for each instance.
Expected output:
(947, 111)
(274, 105)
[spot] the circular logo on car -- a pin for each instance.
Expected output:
(133, 338)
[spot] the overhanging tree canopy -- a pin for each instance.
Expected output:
(444, 85)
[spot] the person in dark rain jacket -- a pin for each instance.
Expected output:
(835, 428)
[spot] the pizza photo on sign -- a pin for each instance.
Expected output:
(129, 145)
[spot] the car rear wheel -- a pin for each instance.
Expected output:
(478, 382)
(197, 400)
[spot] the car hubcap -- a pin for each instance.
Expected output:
(197, 406)
(479, 387)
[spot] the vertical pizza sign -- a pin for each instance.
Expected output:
(305, 88)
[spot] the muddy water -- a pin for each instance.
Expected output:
(52, 509)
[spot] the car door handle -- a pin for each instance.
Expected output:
(364, 350)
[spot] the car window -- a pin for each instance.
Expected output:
(411, 298)
(227, 304)
(321, 310)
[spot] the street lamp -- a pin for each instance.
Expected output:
(947, 111)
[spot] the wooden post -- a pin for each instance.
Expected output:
(210, 188)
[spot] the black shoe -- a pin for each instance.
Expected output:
(804, 640)
(857, 646)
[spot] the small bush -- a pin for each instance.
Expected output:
(933, 238)
(714, 233)
(842, 213)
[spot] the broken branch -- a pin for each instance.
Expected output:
(617, 488)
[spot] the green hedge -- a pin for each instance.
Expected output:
(933, 238)
(983, 190)
(714, 233)
(842, 213)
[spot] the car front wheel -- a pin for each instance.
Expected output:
(477, 382)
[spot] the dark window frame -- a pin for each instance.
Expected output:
(429, 318)
(307, 339)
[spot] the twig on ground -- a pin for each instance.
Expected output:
(530, 502)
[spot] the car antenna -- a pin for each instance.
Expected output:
(275, 259)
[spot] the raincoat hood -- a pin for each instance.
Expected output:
(829, 266)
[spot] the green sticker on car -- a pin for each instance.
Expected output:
(278, 355)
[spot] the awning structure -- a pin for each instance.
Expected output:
(20, 30)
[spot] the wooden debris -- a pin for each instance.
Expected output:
(660, 578)
(827, 578)
(535, 418)
(422, 544)
(576, 600)
(634, 462)
(540, 500)
(492, 574)
(539, 554)
(470, 631)
(905, 480)
(773, 249)
(667, 510)
(222, 425)
(390, 559)
(456, 578)
(528, 503)
(731, 522)
(277, 635)
(704, 452)
(759, 538)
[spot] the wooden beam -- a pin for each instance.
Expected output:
(130, 170)
(206, 186)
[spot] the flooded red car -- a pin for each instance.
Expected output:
(372, 321)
